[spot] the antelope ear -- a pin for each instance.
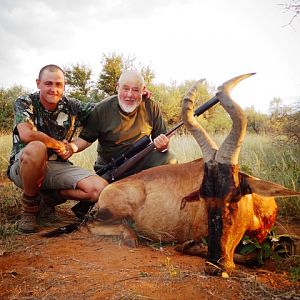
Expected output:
(250, 184)
(193, 196)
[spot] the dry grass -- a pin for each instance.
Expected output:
(259, 157)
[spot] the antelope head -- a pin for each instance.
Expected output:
(226, 191)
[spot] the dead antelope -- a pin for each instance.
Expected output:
(161, 201)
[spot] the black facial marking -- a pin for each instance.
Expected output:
(215, 229)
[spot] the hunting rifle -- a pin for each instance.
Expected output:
(129, 163)
(126, 161)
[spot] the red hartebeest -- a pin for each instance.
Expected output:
(160, 200)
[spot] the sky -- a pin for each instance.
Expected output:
(179, 39)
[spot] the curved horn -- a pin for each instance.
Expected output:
(230, 148)
(206, 144)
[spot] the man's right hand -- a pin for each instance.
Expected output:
(60, 148)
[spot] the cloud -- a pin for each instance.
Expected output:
(33, 29)
(178, 39)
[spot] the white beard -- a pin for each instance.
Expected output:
(129, 108)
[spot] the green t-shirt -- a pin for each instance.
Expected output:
(116, 130)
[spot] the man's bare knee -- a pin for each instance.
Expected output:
(34, 151)
(93, 186)
(34, 155)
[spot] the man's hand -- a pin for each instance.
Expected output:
(58, 147)
(67, 152)
(147, 94)
(161, 142)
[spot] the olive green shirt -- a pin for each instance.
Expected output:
(116, 130)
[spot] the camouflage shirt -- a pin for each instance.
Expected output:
(59, 123)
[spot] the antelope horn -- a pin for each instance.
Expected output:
(206, 144)
(230, 149)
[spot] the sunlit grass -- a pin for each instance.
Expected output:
(259, 157)
(5, 148)
(86, 158)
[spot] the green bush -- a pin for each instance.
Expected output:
(7, 99)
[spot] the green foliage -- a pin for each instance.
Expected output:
(113, 64)
(78, 79)
(169, 98)
(285, 122)
(217, 121)
(275, 246)
(7, 99)
(148, 75)
(256, 122)
(295, 273)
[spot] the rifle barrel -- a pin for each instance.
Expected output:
(205, 106)
(199, 111)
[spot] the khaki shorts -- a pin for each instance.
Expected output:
(59, 175)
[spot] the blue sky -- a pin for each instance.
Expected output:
(179, 40)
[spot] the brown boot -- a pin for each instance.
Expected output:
(30, 206)
(46, 213)
(49, 199)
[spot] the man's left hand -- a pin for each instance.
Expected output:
(147, 94)
(161, 142)
(68, 152)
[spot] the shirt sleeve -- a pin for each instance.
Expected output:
(80, 109)
(85, 110)
(23, 111)
(91, 129)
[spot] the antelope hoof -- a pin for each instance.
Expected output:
(215, 270)
(192, 248)
(184, 246)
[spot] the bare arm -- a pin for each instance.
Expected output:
(28, 134)
(79, 144)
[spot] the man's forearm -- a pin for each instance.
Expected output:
(79, 144)
(28, 134)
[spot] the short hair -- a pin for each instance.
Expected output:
(51, 68)
(132, 73)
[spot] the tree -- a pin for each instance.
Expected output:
(276, 107)
(79, 82)
(291, 126)
(113, 64)
(148, 75)
(169, 98)
(7, 99)
(169, 101)
(216, 120)
(285, 121)
(256, 122)
(292, 6)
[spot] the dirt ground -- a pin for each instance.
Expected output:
(81, 266)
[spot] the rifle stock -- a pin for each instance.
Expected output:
(129, 163)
